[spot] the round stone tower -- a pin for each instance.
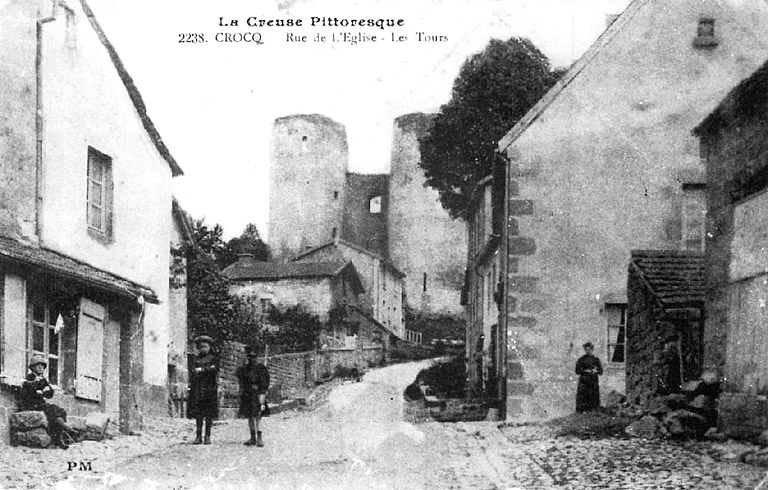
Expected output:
(308, 158)
(425, 243)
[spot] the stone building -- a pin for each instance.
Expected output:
(308, 157)
(734, 146)
(485, 341)
(383, 283)
(85, 219)
(315, 200)
(665, 294)
(605, 163)
(425, 243)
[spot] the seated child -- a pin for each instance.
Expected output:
(34, 391)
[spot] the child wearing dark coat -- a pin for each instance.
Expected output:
(34, 391)
(254, 383)
(203, 388)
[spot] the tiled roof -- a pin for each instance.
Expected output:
(250, 268)
(57, 264)
(674, 276)
(332, 243)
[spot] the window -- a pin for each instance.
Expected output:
(693, 217)
(99, 211)
(335, 195)
(375, 205)
(616, 315)
(43, 335)
(705, 33)
(304, 144)
(333, 233)
(425, 282)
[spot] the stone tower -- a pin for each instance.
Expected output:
(308, 157)
(424, 242)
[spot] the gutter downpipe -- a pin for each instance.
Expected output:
(39, 119)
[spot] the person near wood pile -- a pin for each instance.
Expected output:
(588, 367)
(254, 383)
(203, 388)
(34, 391)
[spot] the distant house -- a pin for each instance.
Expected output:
(319, 287)
(485, 341)
(383, 283)
(605, 163)
(85, 219)
(666, 292)
(182, 240)
(328, 289)
(734, 145)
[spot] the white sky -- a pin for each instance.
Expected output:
(214, 103)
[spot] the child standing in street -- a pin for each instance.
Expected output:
(203, 396)
(254, 383)
(34, 391)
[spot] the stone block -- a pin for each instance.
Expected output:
(519, 388)
(522, 322)
(519, 245)
(684, 423)
(533, 305)
(33, 438)
(514, 370)
(520, 207)
(513, 264)
(25, 421)
(522, 284)
(513, 227)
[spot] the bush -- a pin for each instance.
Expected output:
(447, 379)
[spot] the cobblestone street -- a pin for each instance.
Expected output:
(353, 436)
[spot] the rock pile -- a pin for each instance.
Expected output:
(689, 414)
(29, 429)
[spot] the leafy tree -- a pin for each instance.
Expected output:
(209, 239)
(249, 242)
(494, 89)
(210, 308)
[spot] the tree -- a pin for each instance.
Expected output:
(494, 89)
(249, 242)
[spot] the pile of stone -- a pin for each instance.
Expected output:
(29, 429)
(689, 414)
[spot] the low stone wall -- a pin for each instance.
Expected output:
(292, 374)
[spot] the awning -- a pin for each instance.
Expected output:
(57, 264)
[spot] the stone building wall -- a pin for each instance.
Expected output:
(309, 158)
(425, 243)
(365, 223)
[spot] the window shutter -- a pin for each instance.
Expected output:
(14, 329)
(90, 350)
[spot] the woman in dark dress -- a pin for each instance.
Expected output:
(34, 391)
(588, 368)
(204, 396)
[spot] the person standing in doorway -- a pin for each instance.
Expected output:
(254, 383)
(204, 397)
(588, 367)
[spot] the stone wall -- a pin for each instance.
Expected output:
(362, 227)
(291, 375)
(642, 346)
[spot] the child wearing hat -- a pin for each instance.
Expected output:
(34, 391)
(203, 386)
(254, 382)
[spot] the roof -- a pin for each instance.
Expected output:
(673, 276)
(185, 223)
(358, 248)
(603, 40)
(375, 322)
(742, 99)
(249, 269)
(133, 92)
(57, 264)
